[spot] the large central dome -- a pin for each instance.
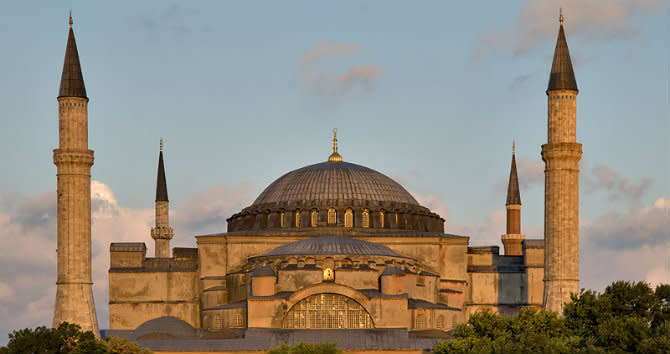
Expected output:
(334, 181)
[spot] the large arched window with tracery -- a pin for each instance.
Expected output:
(327, 311)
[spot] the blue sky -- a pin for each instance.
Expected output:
(431, 94)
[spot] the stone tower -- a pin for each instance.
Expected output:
(561, 155)
(162, 233)
(513, 238)
(73, 159)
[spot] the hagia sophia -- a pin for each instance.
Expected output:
(334, 250)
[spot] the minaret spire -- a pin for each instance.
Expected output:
(562, 76)
(162, 233)
(72, 81)
(512, 239)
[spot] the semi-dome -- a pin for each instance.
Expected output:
(332, 245)
(334, 180)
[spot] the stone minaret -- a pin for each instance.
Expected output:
(162, 233)
(74, 293)
(561, 155)
(513, 238)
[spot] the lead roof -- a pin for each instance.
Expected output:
(334, 181)
(562, 76)
(513, 196)
(340, 245)
(72, 81)
(161, 184)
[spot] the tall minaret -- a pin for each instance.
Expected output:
(73, 159)
(561, 155)
(513, 238)
(162, 233)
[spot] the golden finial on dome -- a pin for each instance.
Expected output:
(70, 18)
(560, 17)
(335, 157)
(161, 145)
(513, 146)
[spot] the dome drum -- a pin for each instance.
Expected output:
(384, 216)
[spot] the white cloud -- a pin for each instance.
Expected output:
(317, 71)
(590, 21)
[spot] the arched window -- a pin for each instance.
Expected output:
(327, 311)
(381, 219)
(349, 218)
(281, 218)
(420, 321)
(297, 218)
(365, 218)
(313, 217)
(440, 322)
(332, 216)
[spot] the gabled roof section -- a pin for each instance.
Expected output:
(72, 81)
(562, 76)
(513, 196)
(161, 184)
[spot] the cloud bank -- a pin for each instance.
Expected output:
(28, 238)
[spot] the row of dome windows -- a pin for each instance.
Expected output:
(332, 218)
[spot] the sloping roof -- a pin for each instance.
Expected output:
(562, 76)
(342, 245)
(72, 81)
(334, 181)
(513, 196)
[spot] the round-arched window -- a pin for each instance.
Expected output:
(332, 311)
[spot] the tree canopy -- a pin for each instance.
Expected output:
(66, 339)
(626, 318)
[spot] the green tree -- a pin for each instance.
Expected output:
(306, 348)
(67, 338)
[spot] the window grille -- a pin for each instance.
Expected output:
(420, 321)
(297, 218)
(332, 216)
(349, 218)
(327, 311)
(313, 217)
(365, 221)
(440, 322)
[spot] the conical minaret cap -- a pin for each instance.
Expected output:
(562, 76)
(161, 184)
(72, 81)
(513, 196)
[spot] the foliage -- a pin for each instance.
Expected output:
(306, 348)
(67, 338)
(626, 318)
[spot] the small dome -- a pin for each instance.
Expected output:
(393, 270)
(263, 271)
(168, 325)
(341, 245)
(334, 181)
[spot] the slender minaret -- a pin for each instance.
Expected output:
(162, 233)
(513, 238)
(561, 155)
(73, 159)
